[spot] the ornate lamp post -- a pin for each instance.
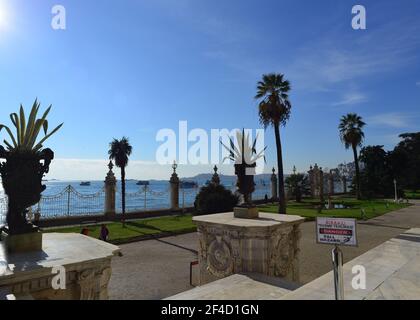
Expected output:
(215, 178)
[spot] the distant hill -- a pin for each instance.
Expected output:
(230, 179)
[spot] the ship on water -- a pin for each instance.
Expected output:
(189, 184)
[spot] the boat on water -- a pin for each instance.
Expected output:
(142, 183)
(189, 184)
(85, 183)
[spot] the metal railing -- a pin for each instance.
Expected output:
(143, 200)
(69, 202)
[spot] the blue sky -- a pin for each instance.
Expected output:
(133, 67)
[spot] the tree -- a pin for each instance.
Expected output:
(405, 161)
(119, 151)
(351, 134)
(274, 109)
(298, 185)
(376, 175)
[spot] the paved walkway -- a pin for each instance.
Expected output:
(157, 269)
(153, 269)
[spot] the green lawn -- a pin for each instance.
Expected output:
(412, 194)
(137, 228)
(308, 208)
(183, 224)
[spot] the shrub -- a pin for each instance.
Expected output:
(214, 199)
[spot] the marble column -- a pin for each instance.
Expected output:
(344, 179)
(311, 181)
(110, 189)
(274, 187)
(331, 183)
(330, 189)
(174, 188)
(321, 185)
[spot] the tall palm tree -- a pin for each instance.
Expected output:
(119, 151)
(274, 109)
(351, 134)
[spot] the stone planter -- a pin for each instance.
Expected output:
(22, 175)
(246, 212)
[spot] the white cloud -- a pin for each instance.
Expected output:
(351, 98)
(418, 83)
(96, 169)
(392, 119)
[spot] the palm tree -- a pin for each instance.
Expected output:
(351, 134)
(298, 185)
(274, 109)
(119, 151)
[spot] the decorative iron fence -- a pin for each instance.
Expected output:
(69, 202)
(187, 196)
(143, 200)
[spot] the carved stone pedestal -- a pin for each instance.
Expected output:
(19, 243)
(268, 245)
(69, 266)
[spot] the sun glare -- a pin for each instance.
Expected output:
(3, 16)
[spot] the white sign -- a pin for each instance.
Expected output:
(337, 231)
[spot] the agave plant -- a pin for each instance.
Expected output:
(245, 153)
(245, 157)
(26, 163)
(27, 130)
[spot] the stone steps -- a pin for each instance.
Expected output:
(239, 287)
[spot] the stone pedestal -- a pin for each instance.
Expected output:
(19, 243)
(268, 245)
(82, 263)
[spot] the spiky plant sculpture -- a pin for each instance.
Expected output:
(25, 165)
(245, 157)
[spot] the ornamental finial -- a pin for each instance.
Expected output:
(174, 166)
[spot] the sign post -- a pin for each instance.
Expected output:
(337, 231)
(337, 260)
